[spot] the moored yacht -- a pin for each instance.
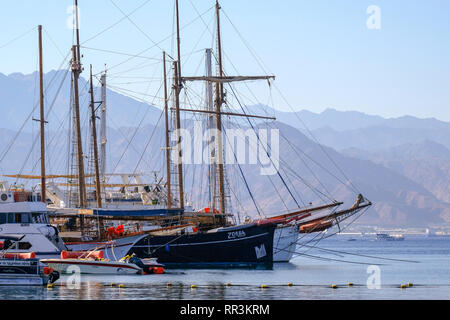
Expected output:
(18, 269)
(29, 218)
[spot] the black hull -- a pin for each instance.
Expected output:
(248, 246)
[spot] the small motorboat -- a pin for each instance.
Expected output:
(390, 237)
(92, 262)
(22, 269)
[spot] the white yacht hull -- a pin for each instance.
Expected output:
(284, 243)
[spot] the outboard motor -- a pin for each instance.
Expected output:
(53, 277)
(135, 260)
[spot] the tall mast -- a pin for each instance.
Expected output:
(166, 113)
(219, 101)
(77, 69)
(178, 42)
(77, 26)
(176, 88)
(42, 120)
(219, 81)
(211, 125)
(103, 139)
(98, 191)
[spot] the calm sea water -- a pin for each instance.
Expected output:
(427, 266)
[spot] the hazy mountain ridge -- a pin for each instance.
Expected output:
(19, 94)
(407, 183)
(426, 162)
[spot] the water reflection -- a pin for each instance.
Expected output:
(312, 279)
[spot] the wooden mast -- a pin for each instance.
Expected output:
(98, 191)
(166, 113)
(176, 88)
(219, 101)
(77, 69)
(42, 119)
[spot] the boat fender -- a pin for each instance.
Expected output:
(158, 270)
(20, 256)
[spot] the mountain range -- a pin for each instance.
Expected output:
(402, 165)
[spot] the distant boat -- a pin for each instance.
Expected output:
(388, 237)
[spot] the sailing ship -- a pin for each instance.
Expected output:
(176, 234)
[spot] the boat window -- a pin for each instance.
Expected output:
(24, 245)
(3, 218)
(39, 217)
(18, 218)
(11, 217)
(25, 218)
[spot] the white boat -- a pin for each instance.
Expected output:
(92, 262)
(285, 242)
(31, 220)
(22, 269)
(119, 250)
(390, 237)
(69, 266)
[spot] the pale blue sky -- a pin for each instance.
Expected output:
(321, 51)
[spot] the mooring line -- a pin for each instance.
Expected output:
(362, 255)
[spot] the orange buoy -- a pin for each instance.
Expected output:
(20, 256)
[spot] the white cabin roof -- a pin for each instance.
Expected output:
(23, 207)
